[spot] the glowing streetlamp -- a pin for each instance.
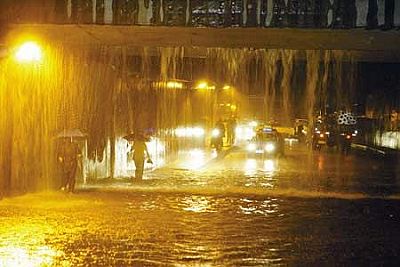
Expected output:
(29, 52)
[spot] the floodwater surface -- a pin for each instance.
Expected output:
(233, 212)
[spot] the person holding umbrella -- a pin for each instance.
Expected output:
(68, 155)
(140, 151)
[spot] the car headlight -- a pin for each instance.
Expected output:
(269, 147)
(198, 132)
(251, 147)
(215, 133)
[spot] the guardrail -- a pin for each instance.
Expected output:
(334, 14)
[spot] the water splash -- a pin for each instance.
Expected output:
(108, 92)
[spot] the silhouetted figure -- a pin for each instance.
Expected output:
(140, 152)
(68, 155)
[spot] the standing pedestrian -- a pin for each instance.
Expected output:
(68, 155)
(140, 151)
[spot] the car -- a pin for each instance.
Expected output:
(267, 142)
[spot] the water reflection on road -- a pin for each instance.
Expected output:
(302, 209)
(299, 172)
(110, 228)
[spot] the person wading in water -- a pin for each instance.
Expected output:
(140, 151)
(68, 155)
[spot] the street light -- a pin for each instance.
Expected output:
(29, 52)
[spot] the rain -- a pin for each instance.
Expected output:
(253, 151)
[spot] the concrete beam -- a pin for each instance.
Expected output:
(368, 45)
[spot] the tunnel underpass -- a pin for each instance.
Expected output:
(117, 79)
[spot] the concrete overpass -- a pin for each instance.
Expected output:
(364, 45)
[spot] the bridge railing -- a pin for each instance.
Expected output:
(211, 13)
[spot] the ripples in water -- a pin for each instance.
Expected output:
(114, 228)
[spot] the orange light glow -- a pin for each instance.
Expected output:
(29, 52)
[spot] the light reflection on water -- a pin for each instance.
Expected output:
(27, 257)
(146, 205)
(197, 204)
(23, 244)
(262, 207)
(250, 167)
(205, 218)
(261, 173)
(194, 159)
(183, 229)
(269, 166)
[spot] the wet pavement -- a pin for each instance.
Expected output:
(307, 209)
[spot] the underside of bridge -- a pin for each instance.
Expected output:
(370, 46)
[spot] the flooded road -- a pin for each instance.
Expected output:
(302, 209)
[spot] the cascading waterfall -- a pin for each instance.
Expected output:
(108, 92)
